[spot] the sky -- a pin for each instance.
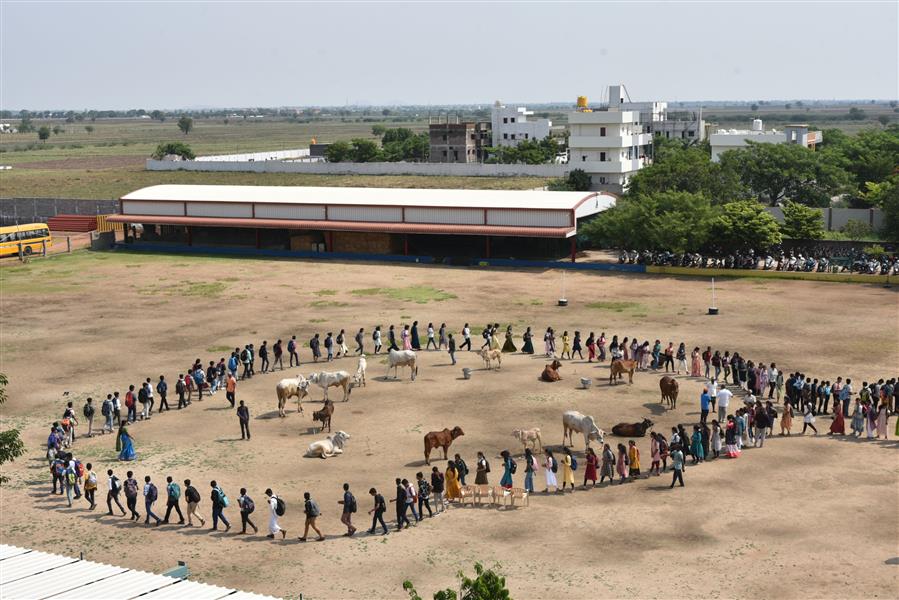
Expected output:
(120, 55)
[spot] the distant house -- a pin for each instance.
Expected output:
(511, 125)
(729, 139)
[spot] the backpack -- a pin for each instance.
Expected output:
(142, 395)
(116, 486)
(555, 465)
(174, 491)
(248, 505)
(280, 507)
(106, 408)
(88, 411)
(314, 510)
(192, 494)
(179, 387)
(351, 506)
(222, 497)
(152, 493)
(245, 355)
(513, 466)
(79, 468)
(486, 466)
(573, 464)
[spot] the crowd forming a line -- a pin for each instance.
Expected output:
(727, 435)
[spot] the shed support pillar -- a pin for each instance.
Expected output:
(405, 244)
(258, 239)
(486, 246)
(190, 236)
(573, 249)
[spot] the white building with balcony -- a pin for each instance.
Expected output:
(730, 139)
(511, 125)
(609, 145)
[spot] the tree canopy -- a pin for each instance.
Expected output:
(486, 585)
(185, 124)
(802, 222)
(529, 152)
(177, 148)
(11, 447)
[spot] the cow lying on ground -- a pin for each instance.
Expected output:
(330, 446)
(528, 436)
(620, 367)
(632, 429)
(573, 421)
(401, 358)
(669, 388)
(291, 387)
(551, 372)
(440, 439)
(327, 379)
(489, 356)
(324, 415)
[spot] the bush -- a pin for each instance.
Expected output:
(177, 148)
(874, 250)
(856, 230)
(802, 222)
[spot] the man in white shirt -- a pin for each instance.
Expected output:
(772, 380)
(723, 397)
(466, 338)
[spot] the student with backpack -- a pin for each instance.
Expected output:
(106, 411)
(277, 508)
(144, 400)
(277, 353)
(292, 351)
(130, 402)
(349, 507)
(193, 501)
(150, 496)
(438, 486)
(310, 507)
(461, 468)
(181, 389)
(90, 485)
(219, 504)
(113, 487)
(247, 506)
(162, 388)
(88, 411)
(550, 468)
(173, 500)
(378, 511)
(424, 495)
(509, 468)
(245, 360)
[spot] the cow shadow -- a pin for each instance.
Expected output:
(422, 463)
(272, 414)
(656, 409)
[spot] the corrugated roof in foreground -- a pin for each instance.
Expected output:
(537, 199)
(31, 575)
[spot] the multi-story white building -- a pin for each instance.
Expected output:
(729, 139)
(511, 125)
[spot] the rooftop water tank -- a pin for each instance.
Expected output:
(582, 101)
(757, 125)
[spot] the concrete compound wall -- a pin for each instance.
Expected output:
(379, 168)
(37, 210)
(836, 218)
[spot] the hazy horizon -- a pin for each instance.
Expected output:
(88, 55)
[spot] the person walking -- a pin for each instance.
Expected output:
(668, 356)
(808, 419)
(278, 354)
(276, 509)
(406, 338)
(607, 468)
(349, 507)
(294, 357)
(622, 463)
(247, 506)
(681, 357)
(696, 448)
(219, 502)
(131, 490)
(193, 501)
(245, 361)
(633, 459)
(568, 467)
(438, 486)
(310, 508)
(530, 467)
(315, 346)
(231, 389)
(760, 422)
(453, 489)
(411, 499)
(677, 460)
(704, 405)
(150, 496)
(131, 404)
(509, 467)
(90, 486)
(424, 495)
(723, 400)
(550, 468)
(376, 339)
(113, 487)
(413, 337)
(329, 346)
(432, 341)
(263, 356)
(106, 411)
(162, 388)
(378, 511)
(441, 336)
(173, 501)
(655, 454)
(466, 338)
(482, 467)
(451, 348)
(243, 415)
(342, 349)
(88, 412)
(461, 468)
(181, 390)
(591, 461)
(527, 342)
(360, 340)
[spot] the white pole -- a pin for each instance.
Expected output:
(713, 293)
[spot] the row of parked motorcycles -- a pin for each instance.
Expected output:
(807, 261)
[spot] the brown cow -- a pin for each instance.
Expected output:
(440, 439)
(632, 429)
(324, 415)
(620, 367)
(669, 388)
(551, 372)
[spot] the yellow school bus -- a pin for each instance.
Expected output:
(29, 236)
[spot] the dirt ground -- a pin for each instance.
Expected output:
(803, 517)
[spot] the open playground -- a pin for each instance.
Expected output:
(805, 516)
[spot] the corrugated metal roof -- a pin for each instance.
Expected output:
(430, 228)
(32, 575)
(524, 199)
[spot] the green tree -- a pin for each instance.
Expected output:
(754, 107)
(869, 156)
(185, 124)
(777, 172)
(687, 169)
(57, 130)
(857, 114)
(856, 230)
(802, 222)
(89, 129)
(676, 221)
(157, 115)
(486, 585)
(579, 180)
(398, 134)
(43, 134)
(11, 447)
(178, 148)
(378, 130)
(25, 124)
(745, 225)
(365, 150)
(886, 195)
(884, 120)
(339, 152)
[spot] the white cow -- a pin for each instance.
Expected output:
(330, 446)
(575, 421)
(359, 377)
(326, 379)
(489, 356)
(291, 387)
(528, 436)
(401, 358)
